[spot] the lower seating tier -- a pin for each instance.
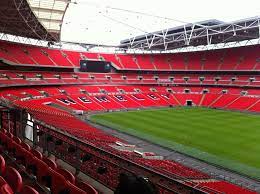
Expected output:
(45, 107)
(48, 174)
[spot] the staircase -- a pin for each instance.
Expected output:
(231, 102)
(202, 98)
(215, 100)
(252, 105)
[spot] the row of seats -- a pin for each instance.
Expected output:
(70, 124)
(103, 98)
(90, 163)
(231, 59)
(234, 59)
(102, 140)
(222, 187)
(163, 166)
(44, 169)
(101, 166)
(11, 181)
(91, 90)
(73, 99)
(81, 130)
(49, 78)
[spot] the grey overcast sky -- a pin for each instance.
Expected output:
(109, 21)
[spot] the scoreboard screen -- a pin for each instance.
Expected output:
(95, 66)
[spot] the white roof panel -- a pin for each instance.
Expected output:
(49, 12)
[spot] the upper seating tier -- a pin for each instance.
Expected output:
(229, 59)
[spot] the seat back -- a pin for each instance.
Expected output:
(2, 165)
(26, 146)
(86, 187)
(6, 189)
(10, 145)
(42, 169)
(20, 154)
(14, 179)
(58, 182)
(50, 163)
(28, 157)
(9, 134)
(67, 175)
(3, 138)
(17, 139)
(28, 190)
(36, 153)
(73, 189)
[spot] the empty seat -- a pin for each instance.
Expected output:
(4, 187)
(57, 182)
(17, 140)
(2, 165)
(36, 153)
(86, 187)
(9, 134)
(67, 175)
(73, 189)
(28, 158)
(40, 169)
(11, 145)
(23, 156)
(50, 163)
(26, 146)
(3, 138)
(28, 190)
(14, 179)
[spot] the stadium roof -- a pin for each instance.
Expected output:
(107, 22)
(37, 19)
(50, 13)
(196, 34)
(103, 23)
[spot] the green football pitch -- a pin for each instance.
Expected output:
(224, 138)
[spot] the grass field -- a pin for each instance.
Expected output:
(229, 139)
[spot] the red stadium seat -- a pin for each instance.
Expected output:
(6, 189)
(73, 189)
(26, 146)
(86, 187)
(40, 169)
(2, 165)
(14, 179)
(28, 190)
(159, 80)
(9, 134)
(17, 140)
(67, 175)
(58, 182)
(37, 154)
(50, 163)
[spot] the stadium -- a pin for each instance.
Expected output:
(175, 109)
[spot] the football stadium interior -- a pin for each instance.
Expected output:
(151, 117)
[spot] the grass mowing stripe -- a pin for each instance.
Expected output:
(230, 139)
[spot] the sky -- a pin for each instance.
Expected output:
(107, 22)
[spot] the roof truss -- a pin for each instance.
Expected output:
(195, 35)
